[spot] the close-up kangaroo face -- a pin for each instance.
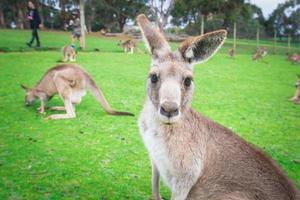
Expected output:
(170, 83)
(170, 88)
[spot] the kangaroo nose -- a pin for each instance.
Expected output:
(169, 109)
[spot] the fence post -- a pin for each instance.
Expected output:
(289, 43)
(202, 24)
(257, 37)
(275, 42)
(234, 37)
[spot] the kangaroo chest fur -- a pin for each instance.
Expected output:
(179, 164)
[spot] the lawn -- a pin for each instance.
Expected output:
(98, 156)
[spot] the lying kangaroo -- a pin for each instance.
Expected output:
(69, 54)
(260, 53)
(197, 158)
(70, 81)
(128, 45)
(296, 97)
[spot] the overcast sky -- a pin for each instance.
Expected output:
(267, 6)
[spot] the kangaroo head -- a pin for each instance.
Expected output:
(31, 95)
(170, 83)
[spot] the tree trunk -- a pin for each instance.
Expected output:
(82, 24)
(20, 16)
(26, 24)
(14, 17)
(202, 25)
(234, 37)
(62, 4)
(121, 21)
(89, 25)
(91, 18)
(40, 9)
(2, 20)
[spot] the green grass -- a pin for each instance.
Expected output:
(98, 156)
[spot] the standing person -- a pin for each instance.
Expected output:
(35, 22)
(76, 28)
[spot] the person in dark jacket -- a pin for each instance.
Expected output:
(35, 22)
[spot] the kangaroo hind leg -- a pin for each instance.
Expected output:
(65, 93)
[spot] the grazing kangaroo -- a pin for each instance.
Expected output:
(197, 158)
(69, 54)
(70, 81)
(231, 53)
(128, 45)
(294, 58)
(260, 53)
(296, 97)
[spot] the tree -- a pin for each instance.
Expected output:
(161, 11)
(2, 19)
(285, 20)
(122, 11)
(194, 13)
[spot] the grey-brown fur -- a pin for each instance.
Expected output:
(260, 53)
(70, 82)
(128, 45)
(296, 97)
(294, 58)
(69, 54)
(231, 53)
(197, 158)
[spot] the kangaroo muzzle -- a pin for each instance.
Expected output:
(169, 109)
(169, 106)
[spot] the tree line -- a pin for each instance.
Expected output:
(187, 16)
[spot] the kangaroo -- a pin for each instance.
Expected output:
(294, 58)
(197, 158)
(69, 54)
(128, 45)
(260, 53)
(296, 97)
(231, 53)
(70, 81)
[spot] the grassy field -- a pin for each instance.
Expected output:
(98, 156)
(15, 41)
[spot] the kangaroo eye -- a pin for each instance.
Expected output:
(187, 82)
(154, 78)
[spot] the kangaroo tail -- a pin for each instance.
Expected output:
(101, 99)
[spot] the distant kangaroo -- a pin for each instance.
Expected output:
(128, 45)
(231, 53)
(294, 58)
(70, 81)
(260, 53)
(197, 158)
(69, 54)
(296, 97)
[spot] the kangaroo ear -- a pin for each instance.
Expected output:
(24, 87)
(154, 39)
(199, 49)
